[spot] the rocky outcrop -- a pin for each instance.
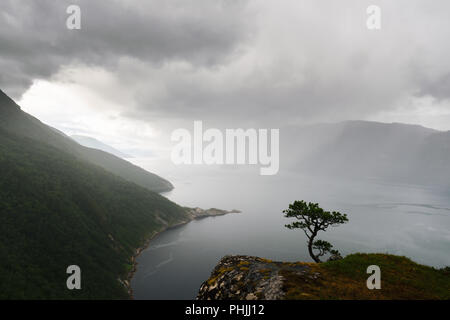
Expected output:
(250, 278)
(247, 278)
(199, 213)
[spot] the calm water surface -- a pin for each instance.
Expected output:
(399, 219)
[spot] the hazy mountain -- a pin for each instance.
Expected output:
(396, 152)
(14, 120)
(93, 143)
(59, 209)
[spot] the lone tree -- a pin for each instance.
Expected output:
(312, 219)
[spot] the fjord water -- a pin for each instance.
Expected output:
(408, 220)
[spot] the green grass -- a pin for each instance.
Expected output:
(401, 278)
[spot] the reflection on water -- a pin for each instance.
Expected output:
(398, 219)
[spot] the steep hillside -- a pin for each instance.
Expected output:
(95, 144)
(253, 278)
(14, 120)
(58, 210)
(362, 149)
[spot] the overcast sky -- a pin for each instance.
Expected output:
(139, 69)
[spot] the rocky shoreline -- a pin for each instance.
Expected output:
(193, 214)
(198, 213)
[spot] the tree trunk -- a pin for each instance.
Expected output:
(310, 249)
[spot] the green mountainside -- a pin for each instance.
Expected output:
(59, 209)
(14, 120)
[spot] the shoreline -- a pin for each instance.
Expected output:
(193, 214)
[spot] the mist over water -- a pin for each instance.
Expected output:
(408, 220)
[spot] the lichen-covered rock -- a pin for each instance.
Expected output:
(247, 278)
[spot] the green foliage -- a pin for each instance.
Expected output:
(312, 219)
(322, 246)
(312, 216)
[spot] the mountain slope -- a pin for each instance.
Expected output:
(14, 120)
(60, 206)
(57, 210)
(92, 143)
(396, 152)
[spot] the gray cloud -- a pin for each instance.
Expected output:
(239, 62)
(315, 61)
(438, 86)
(35, 42)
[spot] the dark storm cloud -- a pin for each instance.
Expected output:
(35, 43)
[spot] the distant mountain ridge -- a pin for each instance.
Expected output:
(391, 151)
(14, 120)
(93, 143)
